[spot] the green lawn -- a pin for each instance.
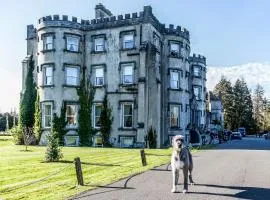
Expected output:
(18, 169)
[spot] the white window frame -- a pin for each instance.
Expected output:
(99, 45)
(123, 138)
(196, 72)
(197, 97)
(45, 76)
(172, 81)
(174, 50)
(98, 78)
(67, 78)
(94, 114)
(123, 115)
(48, 45)
(70, 43)
(75, 115)
(126, 41)
(178, 115)
(45, 116)
(124, 75)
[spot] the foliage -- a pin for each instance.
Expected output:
(258, 107)
(17, 134)
(224, 89)
(86, 95)
(28, 137)
(59, 124)
(53, 151)
(28, 98)
(151, 138)
(3, 121)
(243, 106)
(37, 124)
(106, 120)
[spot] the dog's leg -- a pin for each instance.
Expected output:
(177, 177)
(174, 174)
(185, 173)
(190, 176)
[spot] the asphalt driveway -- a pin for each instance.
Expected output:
(239, 169)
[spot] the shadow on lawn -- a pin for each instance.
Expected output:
(253, 193)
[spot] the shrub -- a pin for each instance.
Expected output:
(17, 134)
(53, 152)
(151, 138)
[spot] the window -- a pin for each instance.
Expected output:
(97, 113)
(48, 42)
(48, 75)
(174, 80)
(99, 78)
(128, 41)
(197, 93)
(72, 75)
(174, 49)
(127, 74)
(46, 114)
(99, 44)
(71, 115)
(126, 141)
(127, 120)
(174, 116)
(73, 43)
(197, 71)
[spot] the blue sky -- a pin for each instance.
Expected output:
(227, 32)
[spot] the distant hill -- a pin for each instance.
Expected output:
(253, 73)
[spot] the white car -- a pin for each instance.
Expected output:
(236, 135)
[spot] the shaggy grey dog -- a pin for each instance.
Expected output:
(181, 160)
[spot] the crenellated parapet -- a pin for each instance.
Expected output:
(197, 58)
(145, 16)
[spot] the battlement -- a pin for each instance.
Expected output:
(145, 16)
(178, 31)
(197, 58)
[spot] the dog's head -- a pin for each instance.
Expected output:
(178, 142)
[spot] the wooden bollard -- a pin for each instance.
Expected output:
(78, 169)
(143, 157)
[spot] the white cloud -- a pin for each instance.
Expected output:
(253, 73)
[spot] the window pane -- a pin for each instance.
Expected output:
(48, 43)
(127, 121)
(174, 80)
(48, 110)
(99, 44)
(127, 109)
(99, 72)
(71, 112)
(98, 109)
(128, 70)
(128, 41)
(47, 115)
(71, 76)
(49, 71)
(197, 93)
(48, 75)
(174, 117)
(174, 47)
(196, 71)
(72, 43)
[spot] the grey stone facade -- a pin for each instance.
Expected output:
(145, 68)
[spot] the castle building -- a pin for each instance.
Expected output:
(144, 68)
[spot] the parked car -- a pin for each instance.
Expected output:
(242, 130)
(266, 136)
(236, 135)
